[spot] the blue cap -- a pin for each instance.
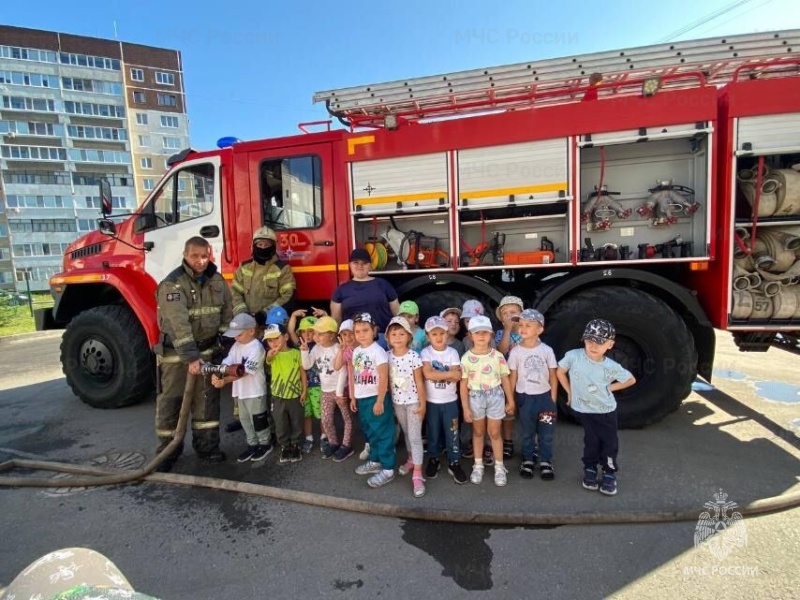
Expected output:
(277, 315)
(531, 315)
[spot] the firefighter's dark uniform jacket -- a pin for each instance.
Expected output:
(258, 287)
(192, 312)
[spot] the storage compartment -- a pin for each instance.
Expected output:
(513, 204)
(523, 236)
(397, 242)
(766, 238)
(645, 200)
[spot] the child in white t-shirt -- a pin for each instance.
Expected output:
(533, 377)
(441, 367)
(372, 402)
(408, 396)
(249, 390)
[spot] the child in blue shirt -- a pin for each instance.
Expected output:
(590, 380)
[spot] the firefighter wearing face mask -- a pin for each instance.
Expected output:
(263, 282)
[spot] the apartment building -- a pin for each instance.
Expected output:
(74, 110)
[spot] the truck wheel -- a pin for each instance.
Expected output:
(652, 342)
(106, 358)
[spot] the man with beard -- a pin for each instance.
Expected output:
(260, 284)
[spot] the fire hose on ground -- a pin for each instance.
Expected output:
(101, 477)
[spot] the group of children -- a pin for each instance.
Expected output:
(427, 379)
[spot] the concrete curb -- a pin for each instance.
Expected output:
(32, 335)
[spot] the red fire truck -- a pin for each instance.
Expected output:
(652, 186)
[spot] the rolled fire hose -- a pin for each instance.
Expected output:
(99, 476)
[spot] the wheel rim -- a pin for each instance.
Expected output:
(97, 360)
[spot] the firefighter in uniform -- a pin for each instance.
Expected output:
(260, 284)
(263, 282)
(194, 307)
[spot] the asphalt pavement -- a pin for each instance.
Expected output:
(739, 436)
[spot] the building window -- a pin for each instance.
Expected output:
(165, 78)
(96, 62)
(100, 156)
(91, 85)
(144, 141)
(94, 110)
(28, 54)
(28, 104)
(147, 184)
(146, 162)
(141, 118)
(139, 97)
(96, 133)
(33, 153)
(167, 100)
(29, 79)
(35, 201)
(172, 143)
(167, 121)
(137, 75)
(3, 230)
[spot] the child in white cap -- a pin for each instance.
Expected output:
(441, 367)
(486, 396)
(249, 390)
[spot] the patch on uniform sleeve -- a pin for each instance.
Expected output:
(173, 297)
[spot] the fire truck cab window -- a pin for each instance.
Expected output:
(187, 194)
(291, 193)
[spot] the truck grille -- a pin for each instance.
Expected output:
(86, 251)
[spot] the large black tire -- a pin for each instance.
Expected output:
(432, 303)
(652, 342)
(106, 358)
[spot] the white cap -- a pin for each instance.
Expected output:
(480, 323)
(472, 308)
(402, 321)
(347, 325)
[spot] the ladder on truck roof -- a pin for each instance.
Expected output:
(524, 85)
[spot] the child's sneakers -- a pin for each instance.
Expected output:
(328, 449)
(609, 485)
(286, 454)
(477, 474)
(457, 472)
(262, 451)
(308, 446)
(406, 468)
(296, 455)
(508, 449)
(590, 479)
(369, 467)
(381, 478)
(364, 453)
(500, 475)
(325, 447)
(418, 484)
(342, 454)
(546, 471)
(432, 470)
(247, 454)
(526, 469)
(488, 456)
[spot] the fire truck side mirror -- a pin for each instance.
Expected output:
(105, 197)
(107, 227)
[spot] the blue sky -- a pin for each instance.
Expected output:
(252, 67)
